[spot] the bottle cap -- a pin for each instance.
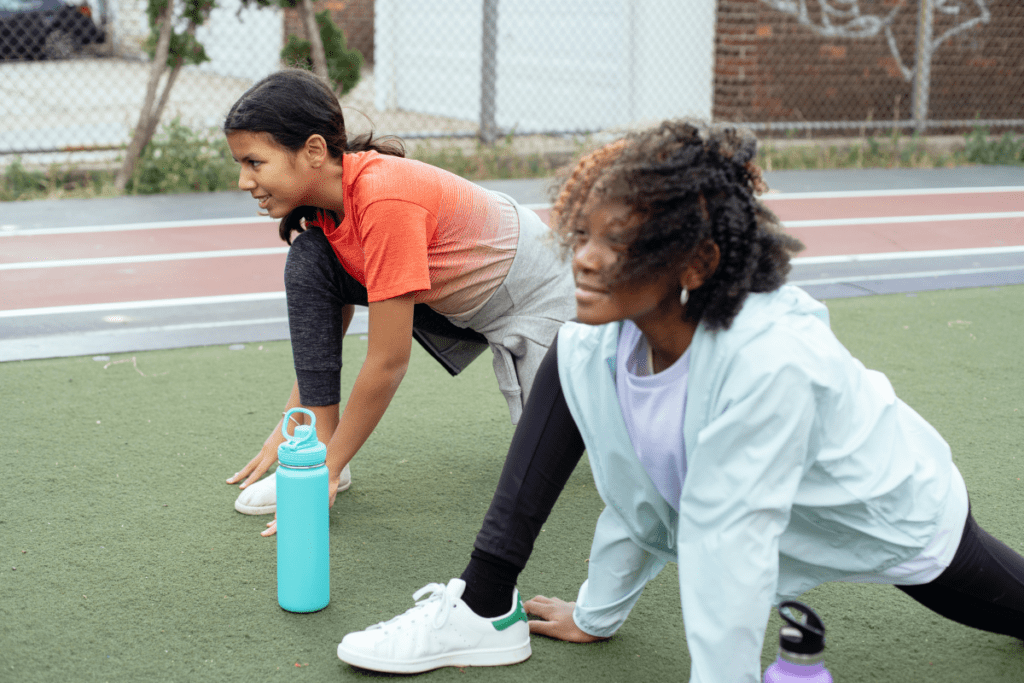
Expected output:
(302, 448)
(806, 637)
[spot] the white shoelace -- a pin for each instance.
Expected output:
(437, 600)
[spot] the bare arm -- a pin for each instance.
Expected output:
(387, 359)
(326, 423)
(267, 456)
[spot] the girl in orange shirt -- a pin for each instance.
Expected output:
(432, 255)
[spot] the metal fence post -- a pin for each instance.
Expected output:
(488, 71)
(923, 63)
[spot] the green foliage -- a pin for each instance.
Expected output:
(19, 183)
(184, 46)
(982, 149)
(891, 151)
(490, 162)
(343, 64)
(179, 159)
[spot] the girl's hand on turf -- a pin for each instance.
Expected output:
(256, 467)
(556, 620)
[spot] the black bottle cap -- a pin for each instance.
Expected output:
(804, 637)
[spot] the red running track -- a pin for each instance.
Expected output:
(56, 269)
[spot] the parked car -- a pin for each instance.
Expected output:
(45, 29)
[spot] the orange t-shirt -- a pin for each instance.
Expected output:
(412, 227)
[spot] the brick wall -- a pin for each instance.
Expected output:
(770, 67)
(355, 17)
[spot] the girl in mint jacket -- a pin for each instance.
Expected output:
(727, 428)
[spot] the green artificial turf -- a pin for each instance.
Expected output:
(122, 558)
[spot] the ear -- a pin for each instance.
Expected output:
(703, 264)
(315, 150)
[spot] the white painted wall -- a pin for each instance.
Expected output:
(427, 56)
(241, 43)
(563, 65)
(127, 27)
(244, 43)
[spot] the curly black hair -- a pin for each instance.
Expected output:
(690, 185)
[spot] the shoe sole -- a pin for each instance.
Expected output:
(271, 509)
(467, 658)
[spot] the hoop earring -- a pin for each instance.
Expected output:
(684, 296)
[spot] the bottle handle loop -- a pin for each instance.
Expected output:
(288, 418)
(806, 636)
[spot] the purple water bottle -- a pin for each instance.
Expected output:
(801, 648)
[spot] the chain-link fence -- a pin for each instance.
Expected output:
(488, 68)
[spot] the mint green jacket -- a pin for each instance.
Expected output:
(802, 467)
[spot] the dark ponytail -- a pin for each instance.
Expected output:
(290, 106)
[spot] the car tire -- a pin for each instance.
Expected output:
(59, 44)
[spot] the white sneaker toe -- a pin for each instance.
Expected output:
(345, 480)
(259, 498)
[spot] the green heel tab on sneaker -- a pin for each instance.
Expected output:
(519, 614)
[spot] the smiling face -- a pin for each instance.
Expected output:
(600, 243)
(272, 174)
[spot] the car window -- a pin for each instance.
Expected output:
(19, 5)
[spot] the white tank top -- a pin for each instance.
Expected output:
(653, 407)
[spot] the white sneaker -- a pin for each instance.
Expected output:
(440, 631)
(261, 498)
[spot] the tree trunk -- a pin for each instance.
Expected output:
(147, 125)
(154, 120)
(316, 43)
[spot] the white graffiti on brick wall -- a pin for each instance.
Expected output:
(844, 19)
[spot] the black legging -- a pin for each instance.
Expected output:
(318, 288)
(544, 451)
(983, 587)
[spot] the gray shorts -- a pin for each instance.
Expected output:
(518, 322)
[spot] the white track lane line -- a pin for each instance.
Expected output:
(13, 231)
(265, 251)
(180, 327)
(905, 255)
(144, 258)
(851, 279)
(771, 195)
(153, 303)
(883, 220)
(10, 231)
(799, 261)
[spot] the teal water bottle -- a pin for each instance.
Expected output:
(303, 546)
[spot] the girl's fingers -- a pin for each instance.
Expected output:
(543, 628)
(254, 477)
(543, 607)
(245, 471)
(271, 528)
(536, 603)
(260, 466)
